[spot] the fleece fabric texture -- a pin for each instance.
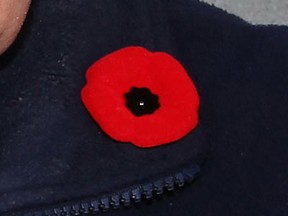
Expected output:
(51, 150)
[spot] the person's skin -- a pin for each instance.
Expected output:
(12, 16)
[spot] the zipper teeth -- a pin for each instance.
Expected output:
(125, 198)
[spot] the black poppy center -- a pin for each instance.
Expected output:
(141, 101)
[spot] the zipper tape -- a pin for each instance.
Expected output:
(124, 198)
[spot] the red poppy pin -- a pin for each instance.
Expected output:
(145, 98)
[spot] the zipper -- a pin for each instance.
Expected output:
(124, 198)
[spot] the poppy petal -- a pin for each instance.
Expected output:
(135, 73)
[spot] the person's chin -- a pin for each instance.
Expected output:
(12, 15)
